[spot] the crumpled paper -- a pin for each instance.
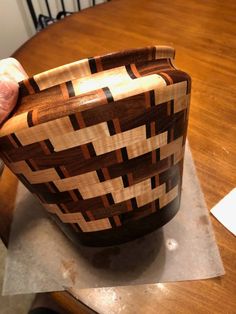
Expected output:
(41, 258)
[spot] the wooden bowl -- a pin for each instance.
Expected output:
(100, 142)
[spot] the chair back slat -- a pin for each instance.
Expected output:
(41, 20)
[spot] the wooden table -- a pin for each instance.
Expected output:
(203, 34)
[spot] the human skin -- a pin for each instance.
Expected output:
(11, 72)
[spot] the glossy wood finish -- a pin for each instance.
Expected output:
(124, 114)
(203, 34)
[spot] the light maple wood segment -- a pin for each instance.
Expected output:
(80, 137)
(63, 74)
(147, 145)
(82, 180)
(44, 131)
(137, 86)
(181, 103)
(110, 143)
(151, 195)
(203, 34)
(101, 188)
(101, 79)
(132, 191)
(46, 175)
(170, 92)
(168, 197)
(95, 225)
(171, 148)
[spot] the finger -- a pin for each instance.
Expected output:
(11, 68)
(18, 66)
(8, 97)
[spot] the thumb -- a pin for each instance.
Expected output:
(11, 72)
(8, 97)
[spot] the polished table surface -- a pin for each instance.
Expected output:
(203, 34)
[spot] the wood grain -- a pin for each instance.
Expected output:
(157, 126)
(203, 34)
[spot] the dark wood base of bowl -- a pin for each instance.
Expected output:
(127, 232)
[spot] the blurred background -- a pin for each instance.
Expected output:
(16, 23)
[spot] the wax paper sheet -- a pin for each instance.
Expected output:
(41, 258)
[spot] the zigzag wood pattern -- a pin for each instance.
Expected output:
(100, 141)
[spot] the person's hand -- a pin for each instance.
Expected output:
(11, 72)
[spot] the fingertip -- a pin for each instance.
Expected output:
(12, 68)
(12, 60)
(8, 97)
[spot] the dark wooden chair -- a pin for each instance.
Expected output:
(43, 20)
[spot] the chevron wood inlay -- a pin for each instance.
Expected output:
(100, 142)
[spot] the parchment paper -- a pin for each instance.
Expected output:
(40, 258)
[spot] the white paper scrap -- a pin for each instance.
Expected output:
(225, 211)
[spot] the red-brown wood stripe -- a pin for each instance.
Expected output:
(157, 182)
(130, 178)
(117, 220)
(64, 91)
(170, 134)
(50, 187)
(119, 156)
(33, 164)
(85, 151)
(35, 117)
(98, 64)
(153, 207)
(152, 67)
(153, 128)
(147, 99)
(129, 205)
(106, 173)
(90, 215)
(13, 142)
(46, 147)
(166, 77)
(105, 201)
(64, 171)
(29, 87)
(168, 108)
(30, 118)
(117, 127)
(79, 117)
(135, 70)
